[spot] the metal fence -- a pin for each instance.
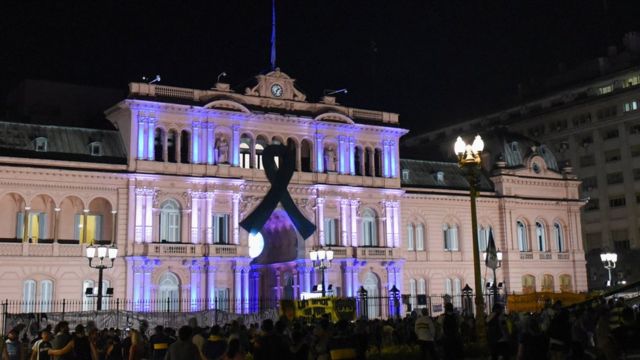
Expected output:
(123, 313)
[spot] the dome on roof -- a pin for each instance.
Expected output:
(515, 150)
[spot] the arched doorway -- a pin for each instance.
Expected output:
(169, 292)
(372, 285)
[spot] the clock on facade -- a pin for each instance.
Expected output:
(276, 90)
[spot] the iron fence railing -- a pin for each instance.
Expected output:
(223, 308)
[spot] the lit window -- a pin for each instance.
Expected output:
(450, 234)
(28, 296)
(420, 237)
(630, 106)
(170, 221)
(40, 144)
(541, 237)
(559, 237)
(369, 236)
(95, 148)
(221, 228)
(330, 231)
(410, 239)
(605, 89)
(405, 174)
(523, 243)
(632, 81)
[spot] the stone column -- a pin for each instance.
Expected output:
(235, 145)
(195, 142)
(255, 291)
(354, 223)
(245, 289)
(236, 218)
(209, 218)
(114, 228)
(138, 287)
(195, 217)
(148, 211)
(342, 155)
(85, 239)
(211, 283)
(56, 224)
(151, 125)
(389, 223)
(141, 143)
(347, 275)
(211, 144)
(352, 155)
(148, 268)
(320, 215)
(319, 147)
(344, 222)
(396, 224)
(237, 287)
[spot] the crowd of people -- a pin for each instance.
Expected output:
(604, 330)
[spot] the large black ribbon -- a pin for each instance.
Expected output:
(279, 177)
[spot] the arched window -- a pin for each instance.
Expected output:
(528, 284)
(422, 288)
(305, 155)
(185, 146)
(558, 237)
(541, 237)
(377, 162)
(410, 240)
(28, 296)
(368, 155)
(158, 144)
(483, 238)
(170, 219)
(245, 153)
(450, 233)
(420, 237)
(172, 140)
(292, 143)
(412, 293)
(547, 283)
(358, 160)
(46, 295)
(521, 232)
(169, 292)
(261, 144)
(330, 231)
(565, 283)
(369, 236)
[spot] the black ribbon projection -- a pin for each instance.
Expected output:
(279, 177)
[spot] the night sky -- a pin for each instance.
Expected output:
(434, 62)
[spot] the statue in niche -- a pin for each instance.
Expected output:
(222, 150)
(330, 159)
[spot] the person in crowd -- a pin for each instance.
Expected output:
(234, 350)
(341, 344)
(137, 350)
(40, 349)
(559, 334)
(61, 339)
(498, 333)
(271, 344)
(159, 343)
(216, 345)
(13, 346)
(425, 331)
(532, 342)
(78, 348)
(183, 348)
(451, 340)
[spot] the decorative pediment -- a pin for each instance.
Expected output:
(228, 105)
(276, 85)
(334, 117)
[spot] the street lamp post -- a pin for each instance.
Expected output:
(101, 252)
(469, 160)
(609, 261)
(321, 259)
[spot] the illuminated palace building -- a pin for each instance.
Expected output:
(181, 168)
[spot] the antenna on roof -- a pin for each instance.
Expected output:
(273, 35)
(222, 74)
(148, 80)
(333, 92)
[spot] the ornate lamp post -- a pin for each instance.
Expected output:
(321, 259)
(102, 251)
(609, 261)
(395, 296)
(469, 161)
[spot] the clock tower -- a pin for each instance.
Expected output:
(276, 85)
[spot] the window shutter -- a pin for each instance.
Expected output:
(76, 228)
(42, 226)
(420, 238)
(409, 237)
(98, 229)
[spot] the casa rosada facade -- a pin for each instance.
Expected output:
(182, 169)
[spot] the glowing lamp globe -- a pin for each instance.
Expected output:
(256, 245)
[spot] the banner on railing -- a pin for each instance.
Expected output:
(336, 308)
(535, 301)
(121, 319)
